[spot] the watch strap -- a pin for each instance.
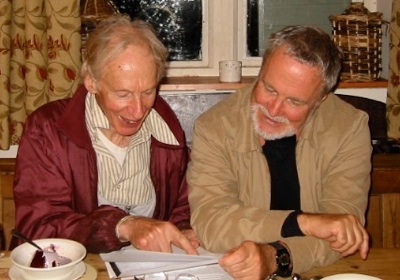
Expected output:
(283, 260)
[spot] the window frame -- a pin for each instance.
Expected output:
(204, 62)
(247, 61)
(221, 25)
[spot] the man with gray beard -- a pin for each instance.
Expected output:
(280, 170)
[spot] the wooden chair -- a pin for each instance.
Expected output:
(7, 207)
(383, 215)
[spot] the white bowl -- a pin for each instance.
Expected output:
(22, 256)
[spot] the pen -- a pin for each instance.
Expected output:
(115, 269)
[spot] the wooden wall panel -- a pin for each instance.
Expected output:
(7, 208)
(373, 224)
(391, 220)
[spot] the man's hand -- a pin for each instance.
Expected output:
(249, 261)
(344, 232)
(155, 235)
(192, 236)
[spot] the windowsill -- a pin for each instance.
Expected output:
(201, 83)
(212, 83)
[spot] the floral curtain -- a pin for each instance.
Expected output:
(393, 101)
(40, 59)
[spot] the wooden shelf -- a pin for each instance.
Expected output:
(7, 165)
(380, 83)
(212, 83)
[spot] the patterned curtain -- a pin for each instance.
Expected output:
(40, 59)
(393, 101)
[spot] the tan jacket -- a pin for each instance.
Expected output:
(229, 181)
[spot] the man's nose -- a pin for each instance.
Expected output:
(135, 108)
(275, 107)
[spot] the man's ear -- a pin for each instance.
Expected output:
(90, 84)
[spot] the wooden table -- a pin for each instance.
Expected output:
(382, 263)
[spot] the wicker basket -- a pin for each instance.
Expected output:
(358, 33)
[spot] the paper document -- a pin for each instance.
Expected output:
(132, 262)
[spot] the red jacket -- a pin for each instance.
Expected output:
(55, 186)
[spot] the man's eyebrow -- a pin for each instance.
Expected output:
(302, 101)
(268, 85)
(150, 89)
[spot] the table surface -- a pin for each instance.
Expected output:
(381, 263)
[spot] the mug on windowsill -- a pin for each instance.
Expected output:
(230, 71)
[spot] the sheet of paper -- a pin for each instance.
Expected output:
(133, 262)
(208, 272)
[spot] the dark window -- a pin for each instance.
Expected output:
(177, 22)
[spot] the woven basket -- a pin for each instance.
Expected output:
(358, 33)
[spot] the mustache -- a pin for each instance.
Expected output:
(265, 112)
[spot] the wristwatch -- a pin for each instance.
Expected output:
(282, 260)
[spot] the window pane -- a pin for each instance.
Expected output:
(267, 16)
(177, 22)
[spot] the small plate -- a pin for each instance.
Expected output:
(350, 276)
(90, 273)
(15, 272)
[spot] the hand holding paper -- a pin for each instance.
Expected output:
(133, 262)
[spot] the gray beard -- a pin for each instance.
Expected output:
(289, 131)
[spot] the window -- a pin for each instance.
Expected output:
(224, 28)
(178, 23)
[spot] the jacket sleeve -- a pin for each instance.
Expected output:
(341, 187)
(55, 190)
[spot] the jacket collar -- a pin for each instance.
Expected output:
(246, 139)
(72, 122)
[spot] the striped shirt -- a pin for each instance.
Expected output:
(123, 173)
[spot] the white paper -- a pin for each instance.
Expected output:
(209, 272)
(132, 262)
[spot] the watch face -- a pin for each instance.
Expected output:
(284, 260)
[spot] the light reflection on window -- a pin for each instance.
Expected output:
(177, 22)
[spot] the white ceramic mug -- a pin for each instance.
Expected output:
(230, 71)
